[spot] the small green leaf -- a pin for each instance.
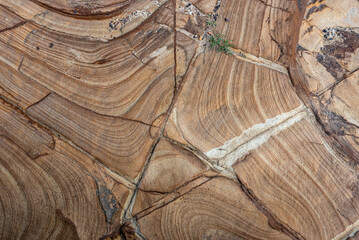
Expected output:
(220, 44)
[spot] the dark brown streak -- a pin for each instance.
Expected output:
(90, 110)
(41, 155)
(273, 220)
(179, 86)
(91, 38)
(9, 94)
(88, 15)
(193, 150)
(165, 204)
(176, 95)
(56, 70)
(52, 132)
(19, 67)
(13, 27)
(11, 11)
(332, 86)
(177, 188)
(175, 45)
(17, 146)
(40, 100)
(18, 109)
(167, 114)
(280, 46)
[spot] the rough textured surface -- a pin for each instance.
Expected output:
(117, 120)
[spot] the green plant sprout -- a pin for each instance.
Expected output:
(218, 43)
(210, 21)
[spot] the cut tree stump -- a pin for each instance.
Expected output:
(118, 120)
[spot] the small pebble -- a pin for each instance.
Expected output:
(51, 45)
(226, 19)
(37, 48)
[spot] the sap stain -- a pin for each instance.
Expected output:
(108, 202)
(339, 41)
(315, 9)
(331, 65)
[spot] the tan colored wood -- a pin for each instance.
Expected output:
(230, 97)
(46, 182)
(299, 178)
(171, 169)
(214, 210)
(118, 120)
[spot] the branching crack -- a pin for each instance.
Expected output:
(52, 132)
(176, 91)
(92, 111)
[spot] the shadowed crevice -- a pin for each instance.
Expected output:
(273, 220)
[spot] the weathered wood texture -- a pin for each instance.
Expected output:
(117, 121)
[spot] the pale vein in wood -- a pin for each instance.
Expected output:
(237, 53)
(255, 136)
(158, 52)
(349, 232)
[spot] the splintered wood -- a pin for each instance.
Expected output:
(117, 120)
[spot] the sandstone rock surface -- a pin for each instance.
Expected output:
(118, 120)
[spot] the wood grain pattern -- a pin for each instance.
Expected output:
(171, 169)
(258, 27)
(123, 149)
(324, 186)
(211, 211)
(46, 182)
(118, 120)
(230, 96)
(93, 79)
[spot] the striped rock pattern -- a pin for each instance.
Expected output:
(117, 120)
